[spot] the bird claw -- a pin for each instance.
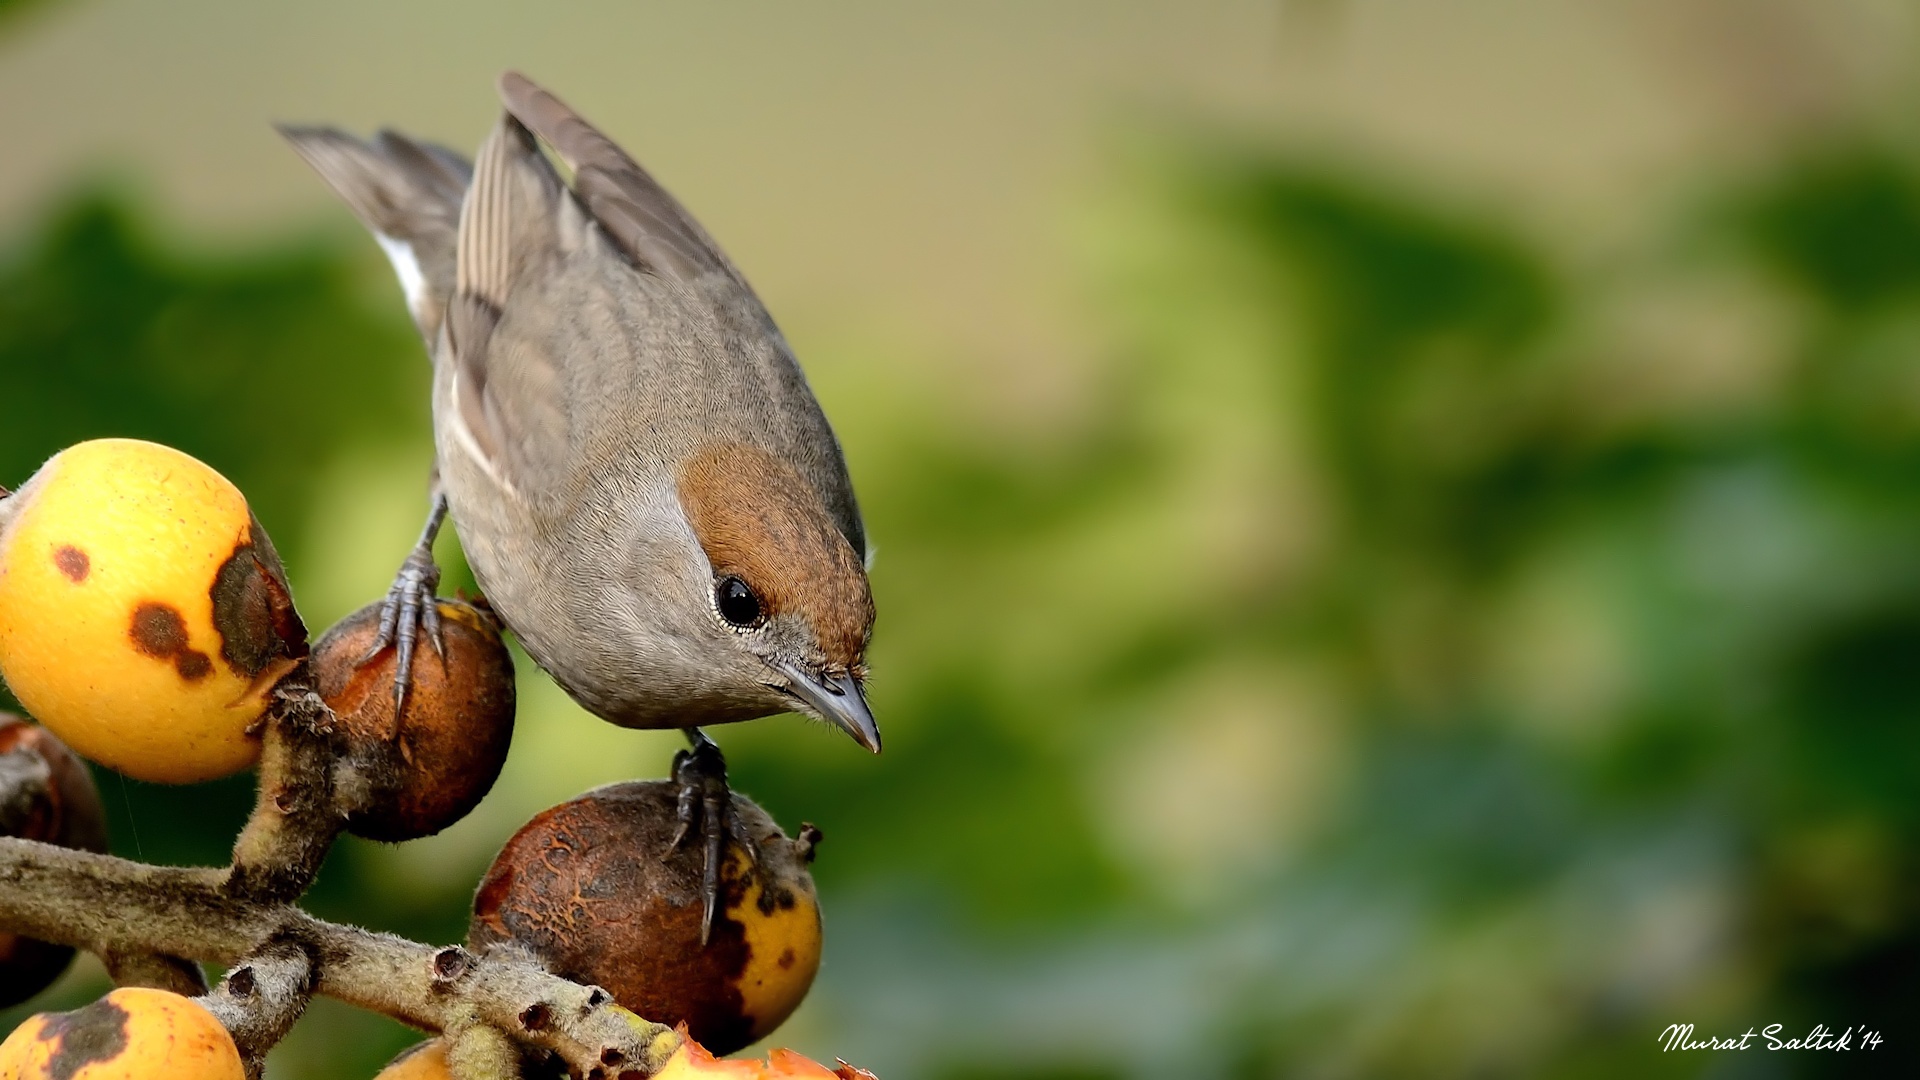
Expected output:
(410, 607)
(705, 812)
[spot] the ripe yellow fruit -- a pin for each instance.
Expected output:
(693, 1062)
(144, 615)
(421, 1061)
(131, 1034)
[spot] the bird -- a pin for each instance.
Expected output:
(647, 491)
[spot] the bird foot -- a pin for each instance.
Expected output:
(409, 608)
(706, 814)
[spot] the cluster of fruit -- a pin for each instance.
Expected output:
(146, 622)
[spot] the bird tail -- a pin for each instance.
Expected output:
(408, 194)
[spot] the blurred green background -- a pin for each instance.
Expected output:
(1396, 523)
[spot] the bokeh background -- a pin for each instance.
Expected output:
(1396, 521)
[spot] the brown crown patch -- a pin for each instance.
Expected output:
(759, 519)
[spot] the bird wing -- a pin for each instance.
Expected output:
(761, 387)
(589, 322)
(505, 403)
(647, 224)
(407, 193)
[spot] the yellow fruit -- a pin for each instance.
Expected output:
(692, 1062)
(421, 1061)
(131, 1034)
(144, 614)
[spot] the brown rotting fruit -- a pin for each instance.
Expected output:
(66, 812)
(431, 765)
(593, 888)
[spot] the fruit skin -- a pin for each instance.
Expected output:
(71, 816)
(692, 1062)
(131, 1034)
(421, 1061)
(144, 614)
(585, 886)
(434, 764)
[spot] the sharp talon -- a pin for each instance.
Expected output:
(410, 607)
(430, 622)
(710, 888)
(704, 809)
(716, 837)
(376, 649)
(739, 834)
(402, 677)
(687, 816)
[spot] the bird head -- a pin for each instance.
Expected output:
(788, 594)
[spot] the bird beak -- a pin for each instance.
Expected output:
(836, 699)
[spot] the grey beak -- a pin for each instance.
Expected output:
(837, 699)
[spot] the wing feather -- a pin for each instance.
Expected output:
(507, 403)
(648, 225)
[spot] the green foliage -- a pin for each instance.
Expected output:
(261, 363)
(1398, 667)
(11, 8)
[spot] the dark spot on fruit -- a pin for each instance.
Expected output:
(72, 562)
(253, 607)
(85, 1036)
(776, 898)
(158, 630)
(786, 959)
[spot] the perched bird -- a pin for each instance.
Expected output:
(647, 491)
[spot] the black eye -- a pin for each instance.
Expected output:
(738, 604)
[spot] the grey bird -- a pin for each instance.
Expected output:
(648, 492)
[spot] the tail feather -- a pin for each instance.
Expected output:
(408, 194)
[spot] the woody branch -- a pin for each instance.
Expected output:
(145, 918)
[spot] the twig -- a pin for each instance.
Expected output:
(260, 999)
(144, 919)
(26, 802)
(107, 904)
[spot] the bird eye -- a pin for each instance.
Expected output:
(737, 602)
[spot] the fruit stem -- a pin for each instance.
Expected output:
(295, 816)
